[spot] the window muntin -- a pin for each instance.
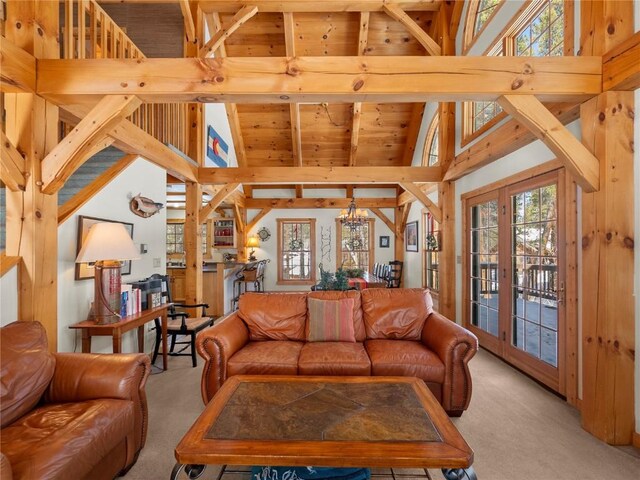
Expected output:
(479, 14)
(486, 8)
(356, 248)
(296, 251)
(538, 31)
(175, 238)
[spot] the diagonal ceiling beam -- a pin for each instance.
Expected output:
(430, 45)
(75, 149)
(363, 42)
(13, 165)
(324, 79)
(422, 198)
(412, 135)
(17, 69)
(189, 24)
(217, 39)
(240, 226)
(577, 158)
(380, 214)
(254, 221)
(217, 200)
(88, 191)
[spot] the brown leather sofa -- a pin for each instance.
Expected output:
(68, 415)
(397, 333)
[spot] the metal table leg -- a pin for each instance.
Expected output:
(459, 473)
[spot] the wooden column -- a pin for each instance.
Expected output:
(32, 126)
(608, 342)
(193, 203)
(608, 313)
(447, 261)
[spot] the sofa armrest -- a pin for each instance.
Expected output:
(6, 473)
(89, 376)
(217, 345)
(455, 346)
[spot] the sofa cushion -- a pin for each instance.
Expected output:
(269, 358)
(26, 369)
(395, 313)
(404, 358)
(63, 441)
(334, 358)
(274, 316)
(358, 323)
(330, 320)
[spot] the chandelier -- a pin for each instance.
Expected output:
(353, 217)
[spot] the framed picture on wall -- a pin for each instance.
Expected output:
(411, 237)
(384, 241)
(86, 270)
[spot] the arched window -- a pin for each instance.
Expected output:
(478, 15)
(540, 28)
(430, 152)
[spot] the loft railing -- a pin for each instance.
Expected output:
(89, 32)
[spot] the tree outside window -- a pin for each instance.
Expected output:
(296, 251)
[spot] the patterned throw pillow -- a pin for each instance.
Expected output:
(331, 320)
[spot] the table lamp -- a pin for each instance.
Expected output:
(252, 242)
(107, 243)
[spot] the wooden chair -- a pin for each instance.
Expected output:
(253, 275)
(394, 278)
(180, 323)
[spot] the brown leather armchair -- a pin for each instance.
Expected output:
(68, 415)
(396, 331)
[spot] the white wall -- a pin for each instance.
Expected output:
(325, 220)
(74, 296)
(9, 297)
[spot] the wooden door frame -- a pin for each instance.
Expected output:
(567, 383)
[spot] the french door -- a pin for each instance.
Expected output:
(514, 275)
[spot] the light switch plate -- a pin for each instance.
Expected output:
(156, 263)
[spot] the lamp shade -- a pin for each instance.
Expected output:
(252, 241)
(107, 241)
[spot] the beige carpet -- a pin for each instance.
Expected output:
(518, 430)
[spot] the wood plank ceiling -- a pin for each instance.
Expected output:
(384, 132)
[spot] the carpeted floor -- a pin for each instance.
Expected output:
(517, 429)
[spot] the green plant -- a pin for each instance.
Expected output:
(342, 280)
(333, 281)
(354, 272)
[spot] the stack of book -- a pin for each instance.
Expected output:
(130, 300)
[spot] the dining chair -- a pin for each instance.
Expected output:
(394, 277)
(180, 323)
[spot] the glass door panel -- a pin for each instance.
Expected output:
(534, 261)
(484, 278)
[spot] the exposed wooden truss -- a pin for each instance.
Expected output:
(544, 125)
(321, 79)
(217, 200)
(423, 37)
(294, 175)
(17, 69)
(259, 216)
(283, 203)
(380, 214)
(77, 147)
(13, 165)
(189, 24)
(231, 6)
(218, 38)
(621, 65)
(422, 198)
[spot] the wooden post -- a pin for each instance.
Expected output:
(447, 260)
(32, 126)
(608, 342)
(607, 280)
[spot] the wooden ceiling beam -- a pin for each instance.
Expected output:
(318, 202)
(217, 200)
(324, 79)
(12, 166)
(577, 158)
(189, 24)
(397, 13)
(17, 69)
(254, 221)
(294, 108)
(621, 66)
(325, 6)
(240, 226)
(504, 140)
(412, 135)
(380, 214)
(88, 191)
(240, 18)
(422, 198)
(77, 147)
(363, 41)
(294, 175)
(407, 197)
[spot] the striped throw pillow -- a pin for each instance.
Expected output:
(331, 320)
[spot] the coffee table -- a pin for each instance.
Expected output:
(324, 422)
